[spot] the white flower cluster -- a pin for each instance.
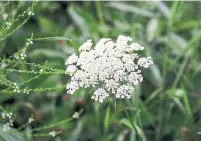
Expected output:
(30, 120)
(52, 133)
(30, 13)
(113, 67)
(29, 42)
(76, 115)
(16, 88)
(21, 55)
(7, 116)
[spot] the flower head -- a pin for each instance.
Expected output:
(99, 95)
(76, 115)
(52, 133)
(9, 120)
(30, 120)
(72, 59)
(111, 67)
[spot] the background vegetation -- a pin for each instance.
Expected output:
(165, 107)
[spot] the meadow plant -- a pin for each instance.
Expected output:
(103, 71)
(113, 67)
(13, 21)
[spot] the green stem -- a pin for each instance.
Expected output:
(101, 18)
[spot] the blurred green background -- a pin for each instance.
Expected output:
(169, 99)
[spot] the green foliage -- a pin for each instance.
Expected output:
(33, 49)
(11, 135)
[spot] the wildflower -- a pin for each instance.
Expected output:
(30, 13)
(112, 68)
(16, 88)
(145, 62)
(6, 127)
(29, 41)
(124, 91)
(136, 47)
(30, 120)
(72, 59)
(99, 95)
(9, 115)
(9, 121)
(86, 46)
(52, 133)
(72, 87)
(71, 69)
(21, 55)
(76, 115)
